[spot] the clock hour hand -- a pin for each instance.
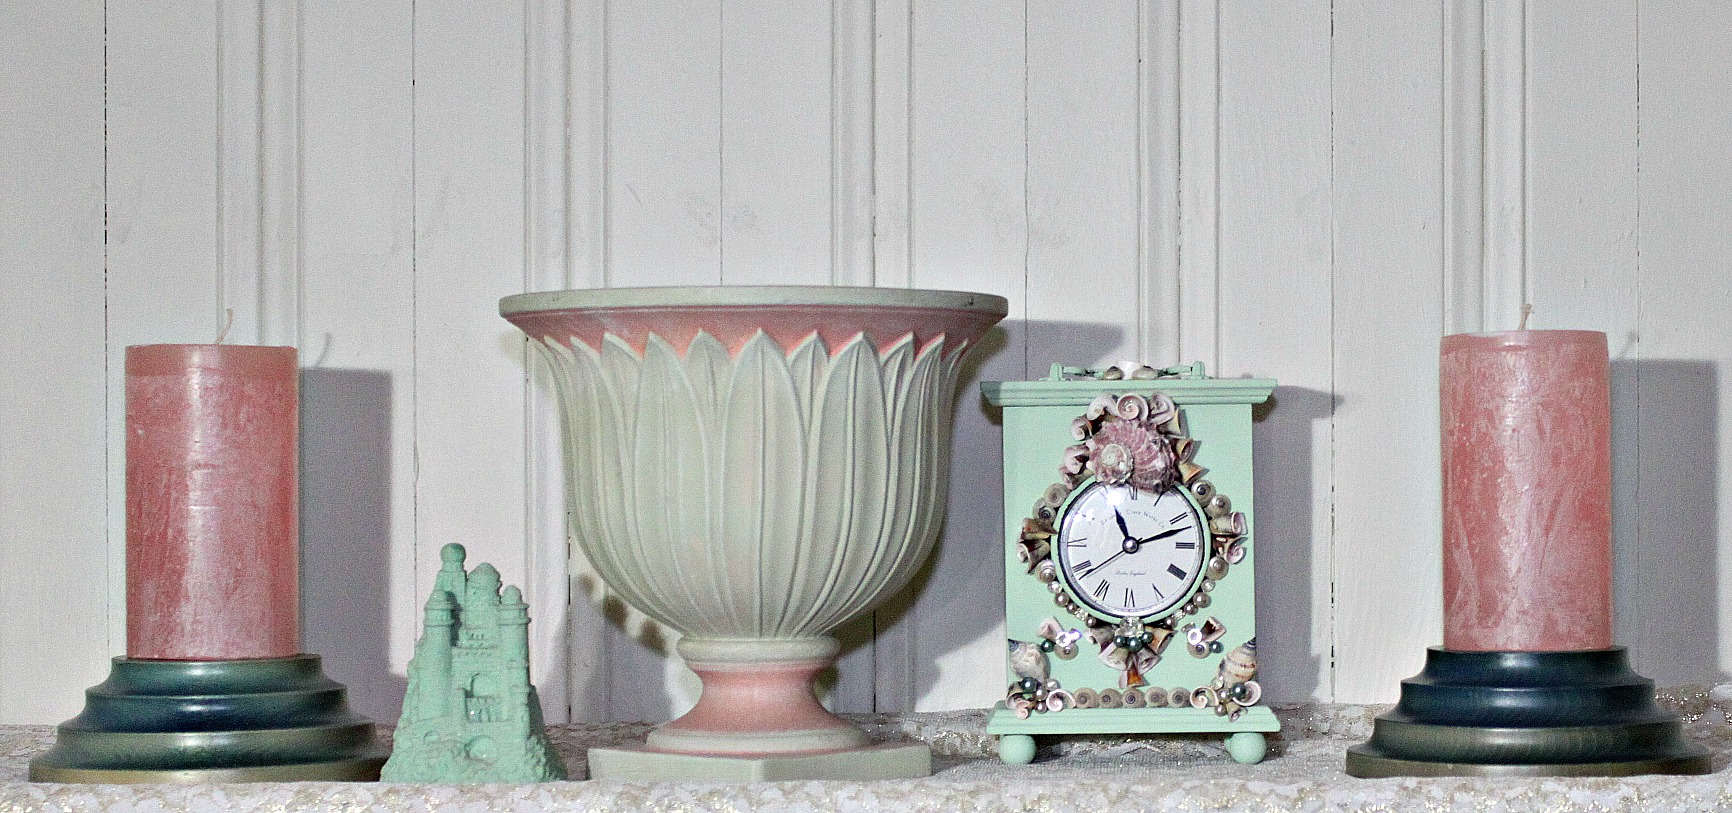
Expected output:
(1123, 528)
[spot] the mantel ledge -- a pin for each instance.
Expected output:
(1303, 772)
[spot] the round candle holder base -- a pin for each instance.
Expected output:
(263, 720)
(1584, 713)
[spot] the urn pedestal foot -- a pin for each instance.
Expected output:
(873, 762)
(759, 718)
(1583, 713)
(264, 720)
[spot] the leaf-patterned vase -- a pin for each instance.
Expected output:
(754, 467)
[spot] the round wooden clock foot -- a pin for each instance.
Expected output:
(1582, 713)
(1247, 747)
(1016, 749)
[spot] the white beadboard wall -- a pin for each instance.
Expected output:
(1313, 191)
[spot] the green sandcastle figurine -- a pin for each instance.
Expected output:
(471, 714)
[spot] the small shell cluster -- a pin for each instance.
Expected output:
(1034, 689)
(1235, 686)
(1232, 690)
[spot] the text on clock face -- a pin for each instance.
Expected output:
(1127, 552)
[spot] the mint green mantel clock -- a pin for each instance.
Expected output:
(1129, 570)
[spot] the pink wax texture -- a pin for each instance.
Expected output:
(212, 542)
(1527, 491)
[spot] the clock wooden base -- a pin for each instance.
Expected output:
(1245, 736)
(1583, 713)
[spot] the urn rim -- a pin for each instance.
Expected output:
(708, 296)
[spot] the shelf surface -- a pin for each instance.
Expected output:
(1108, 772)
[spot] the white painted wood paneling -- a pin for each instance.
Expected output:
(776, 143)
(1082, 186)
(1582, 262)
(1314, 192)
(1199, 182)
(1684, 377)
(1276, 206)
(469, 365)
(54, 566)
(163, 198)
(664, 147)
(360, 602)
(1387, 316)
(969, 231)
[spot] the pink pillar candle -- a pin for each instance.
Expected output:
(1527, 491)
(212, 543)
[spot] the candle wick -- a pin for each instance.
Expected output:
(1527, 310)
(228, 322)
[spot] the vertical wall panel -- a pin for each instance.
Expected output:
(1387, 319)
(1199, 233)
(1581, 271)
(1275, 317)
(361, 606)
(163, 200)
(664, 227)
(969, 233)
(1685, 250)
(776, 105)
(54, 564)
(469, 364)
(1082, 184)
(1159, 114)
(664, 174)
(892, 141)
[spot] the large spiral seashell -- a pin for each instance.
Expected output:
(1059, 700)
(1240, 664)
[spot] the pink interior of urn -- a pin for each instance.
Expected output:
(788, 325)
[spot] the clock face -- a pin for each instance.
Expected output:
(1125, 552)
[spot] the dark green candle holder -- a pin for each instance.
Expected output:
(1527, 714)
(265, 720)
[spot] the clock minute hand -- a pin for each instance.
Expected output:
(1163, 535)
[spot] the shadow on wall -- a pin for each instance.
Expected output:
(960, 588)
(1676, 556)
(1289, 665)
(346, 534)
